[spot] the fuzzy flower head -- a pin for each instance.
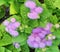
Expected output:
(34, 10)
(37, 39)
(11, 27)
(30, 4)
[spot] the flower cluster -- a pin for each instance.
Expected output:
(11, 27)
(34, 10)
(40, 37)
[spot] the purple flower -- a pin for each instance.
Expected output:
(30, 4)
(33, 15)
(37, 30)
(37, 39)
(33, 44)
(41, 35)
(38, 10)
(48, 26)
(49, 42)
(12, 26)
(42, 45)
(16, 24)
(16, 44)
(13, 33)
(34, 10)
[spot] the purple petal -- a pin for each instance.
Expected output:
(37, 30)
(38, 10)
(35, 44)
(29, 43)
(49, 43)
(33, 15)
(41, 35)
(13, 33)
(16, 24)
(42, 45)
(30, 4)
(48, 26)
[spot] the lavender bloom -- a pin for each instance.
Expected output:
(48, 42)
(30, 4)
(32, 43)
(38, 10)
(17, 45)
(37, 30)
(34, 11)
(48, 26)
(33, 15)
(42, 45)
(13, 33)
(16, 24)
(38, 38)
(12, 26)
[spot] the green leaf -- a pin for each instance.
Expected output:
(37, 2)
(46, 13)
(2, 12)
(38, 50)
(12, 48)
(21, 38)
(57, 33)
(57, 3)
(2, 2)
(21, 0)
(52, 49)
(2, 49)
(53, 19)
(23, 12)
(28, 30)
(49, 4)
(33, 23)
(56, 42)
(6, 40)
(25, 48)
(6, 50)
(12, 9)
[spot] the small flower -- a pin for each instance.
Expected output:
(13, 19)
(48, 26)
(37, 39)
(16, 24)
(12, 26)
(16, 44)
(13, 33)
(34, 10)
(30, 4)
(38, 10)
(33, 15)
